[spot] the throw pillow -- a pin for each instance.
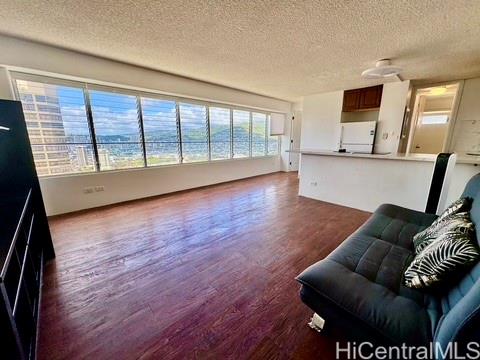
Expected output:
(444, 257)
(424, 238)
(459, 222)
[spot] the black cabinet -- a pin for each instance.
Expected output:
(25, 241)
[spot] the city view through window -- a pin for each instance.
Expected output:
(132, 131)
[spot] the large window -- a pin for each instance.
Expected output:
(117, 131)
(57, 127)
(75, 128)
(220, 133)
(241, 133)
(194, 131)
(259, 134)
(161, 131)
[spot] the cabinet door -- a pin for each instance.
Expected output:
(371, 97)
(351, 100)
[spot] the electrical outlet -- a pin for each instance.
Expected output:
(99, 188)
(88, 190)
(313, 183)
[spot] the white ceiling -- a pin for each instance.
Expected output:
(284, 49)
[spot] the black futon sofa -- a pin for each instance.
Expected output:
(359, 286)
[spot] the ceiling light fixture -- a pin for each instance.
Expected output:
(382, 69)
(439, 90)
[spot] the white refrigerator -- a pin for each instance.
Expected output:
(357, 137)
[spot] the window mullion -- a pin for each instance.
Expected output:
(250, 145)
(231, 134)
(179, 131)
(91, 127)
(142, 132)
(268, 135)
(208, 133)
(265, 152)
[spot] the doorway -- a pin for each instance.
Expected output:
(432, 119)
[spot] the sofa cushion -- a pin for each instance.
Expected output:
(396, 225)
(363, 276)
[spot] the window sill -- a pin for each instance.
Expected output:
(147, 168)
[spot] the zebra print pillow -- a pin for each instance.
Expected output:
(459, 222)
(425, 237)
(450, 252)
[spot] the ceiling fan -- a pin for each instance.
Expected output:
(382, 69)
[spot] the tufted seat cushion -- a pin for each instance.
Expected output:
(363, 277)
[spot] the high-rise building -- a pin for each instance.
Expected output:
(45, 127)
(82, 156)
(104, 159)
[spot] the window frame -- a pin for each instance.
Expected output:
(177, 129)
(141, 142)
(230, 125)
(445, 113)
(207, 128)
(249, 111)
(61, 83)
(266, 137)
(87, 86)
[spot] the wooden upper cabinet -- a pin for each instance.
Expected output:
(362, 99)
(351, 100)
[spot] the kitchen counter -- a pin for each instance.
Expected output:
(364, 181)
(461, 159)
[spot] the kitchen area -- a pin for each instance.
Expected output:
(364, 147)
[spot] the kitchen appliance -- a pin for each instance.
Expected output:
(357, 137)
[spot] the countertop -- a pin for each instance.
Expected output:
(461, 159)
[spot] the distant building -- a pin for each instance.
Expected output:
(104, 159)
(45, 128)
(83, 159)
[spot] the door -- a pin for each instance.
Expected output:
(295, 133)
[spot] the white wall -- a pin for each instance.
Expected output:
(367, 183)
(78, 66)
(461, 174)
(322, 114)
(65, 194)
(390, 117)
(429, 138)
(6, 89)
(321, 121)
(466, 136)
(469, 108)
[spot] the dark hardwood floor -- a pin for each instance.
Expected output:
(206, 273)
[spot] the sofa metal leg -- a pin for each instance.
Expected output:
(316, 323)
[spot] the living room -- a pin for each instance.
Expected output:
(259, 179)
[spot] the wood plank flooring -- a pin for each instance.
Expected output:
(206, 273)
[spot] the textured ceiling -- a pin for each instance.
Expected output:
(284, 49)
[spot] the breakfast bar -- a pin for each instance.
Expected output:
(364, 181)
